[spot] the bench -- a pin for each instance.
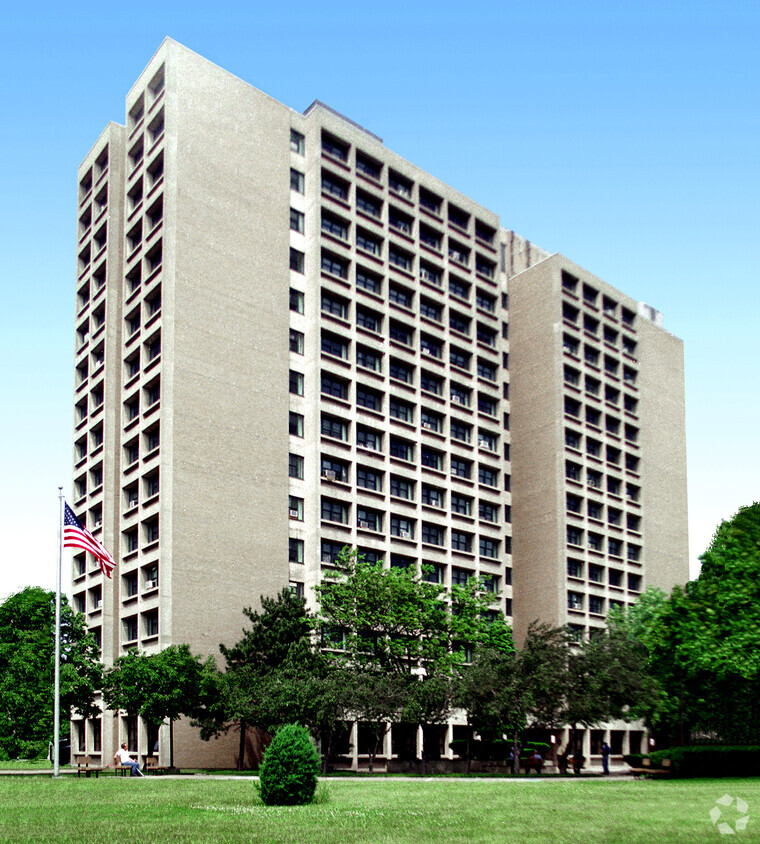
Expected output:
(85, 766)
(647, 769)
(152, 766)
(532, 763)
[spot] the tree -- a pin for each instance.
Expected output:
(161, 686)
(703, 641)
(401, 637)
(269, 671)
(27, 658)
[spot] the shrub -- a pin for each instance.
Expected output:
(711, 760)
(288, 773)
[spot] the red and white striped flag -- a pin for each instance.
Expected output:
(76, 535)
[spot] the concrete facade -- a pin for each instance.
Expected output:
(290, 339)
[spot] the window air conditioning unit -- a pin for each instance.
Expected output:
(404, 534)
(457, 399)
(329, 474)
(97, 603)
(427, 424)
(293, 513)
(426, 351)
(98, 523)
(363, 524)
(133, 502)
(327, 558)
(151, 584)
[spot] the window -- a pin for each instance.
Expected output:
(572, 407)
(634, 582)
(370, 399)
(329, 551)
(332, 427)
(296, 260)
(295, 550)
(634, 553)
(335, 226)
(460, 395)
(594, 478)
(130, 629)
(369, 320)
(400, 333)
(595, 604)
(430, 237)
(432, 534)
(614, 516)
(332, 146)
(151, 485)
(429, 346)
(574, 601)
(367, 438)
(615, 577)
(460, 431)
(432, 496)
(334, 265)
(401, 449)
(458, 357)
(334, 305)
(369, 519)
(335, 387)
(488, 512)
(369, 479)
(297, 142)
(400, 295)
(485, 301)
(595, 510)
(368, 166)
(461, 504)
(432, 572)
(574, 536)
(431, 458)
(295, 507)
(295, 466)
(401, 410)
(633, 522)
(430, 202)
(431, 421)
(573, 471)
(296, 341)
(402, 487)
(570, 344)
(295, 383)
(296, 301)
(488, 477)
(401, 371)
(460, 468)
(486, 336)
(487, 371)
(430, 274)
(369, 204)
(130, 540)
(489, 547)
(368, 242)
(295, 424)
(152, 438)
(596, 573)
(574, 568)
(399, 184)
(459, 323)
(333, 470)
(486, 405)
(333, 345)
(614, 547)
(573, 503)
(297, 180)
(400, 259)
(595, 541)
(431, 383)
(335, 187)
(572, 439)
(334, 511)
(461, 541)
(429, 309)
(369, 281)
(367, 358)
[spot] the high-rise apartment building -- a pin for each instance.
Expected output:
(290, 339)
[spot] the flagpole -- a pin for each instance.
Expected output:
(57, 688)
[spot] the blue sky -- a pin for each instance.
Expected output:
(623, 135)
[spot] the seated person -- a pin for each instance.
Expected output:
(123, 758)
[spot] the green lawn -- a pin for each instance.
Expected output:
(195, 810)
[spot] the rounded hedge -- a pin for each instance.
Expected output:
(288, 772)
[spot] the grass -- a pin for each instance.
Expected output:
(370, 810)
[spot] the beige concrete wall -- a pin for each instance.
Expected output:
(537, 449)
(665, 526)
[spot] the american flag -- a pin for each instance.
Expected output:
(76, 535)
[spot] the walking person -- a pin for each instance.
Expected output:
(606, 758)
